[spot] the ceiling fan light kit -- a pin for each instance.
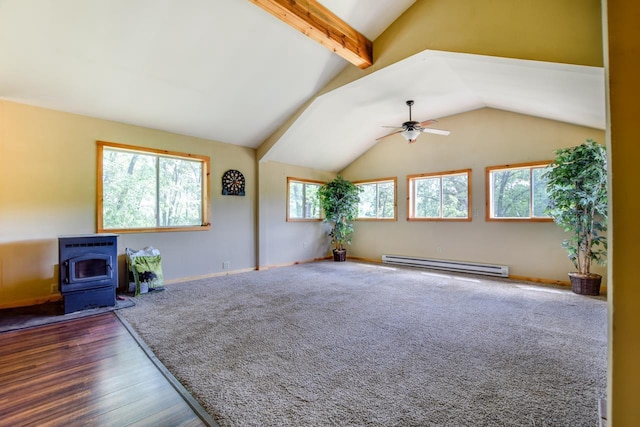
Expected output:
(411, 135)
(411, 129)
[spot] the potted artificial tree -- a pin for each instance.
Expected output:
(339, 200)
(577, 192)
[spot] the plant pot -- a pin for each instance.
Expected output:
(585, 284)
(339, 256)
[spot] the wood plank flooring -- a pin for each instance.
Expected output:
(89, 371)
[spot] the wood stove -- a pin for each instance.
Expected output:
(88, 272)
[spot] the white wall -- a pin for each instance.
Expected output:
(283, 242)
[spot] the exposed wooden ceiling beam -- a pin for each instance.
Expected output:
(319, 23)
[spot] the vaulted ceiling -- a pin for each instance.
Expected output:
(349, 120)
(226, 70)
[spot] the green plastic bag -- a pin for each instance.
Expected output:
(145, 271)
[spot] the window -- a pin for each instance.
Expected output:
(439, 196)
(142, 189)
(303, 203)
(377, 199)
(517, 192)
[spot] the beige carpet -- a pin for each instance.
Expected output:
(355, 344)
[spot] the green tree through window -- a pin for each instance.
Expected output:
(377, 200)
(439, 196)
(303, 202)
(517, 192)
(150, 189)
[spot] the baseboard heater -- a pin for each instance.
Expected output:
(441, 264)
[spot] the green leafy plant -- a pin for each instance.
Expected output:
(577, 192)
(339, 200)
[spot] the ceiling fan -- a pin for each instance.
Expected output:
(410, 130)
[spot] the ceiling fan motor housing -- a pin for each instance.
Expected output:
(411, 125)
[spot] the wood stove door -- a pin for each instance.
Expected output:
(86, 271)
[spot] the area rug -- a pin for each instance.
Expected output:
(355, 344)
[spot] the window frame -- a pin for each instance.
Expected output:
(205, 214)
(395, 197)
(288, 202)
(489, 192)
(411, 196)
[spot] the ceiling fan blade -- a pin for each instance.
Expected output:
(392, 127)
(428, 122)
(389, 134)
(436, 131)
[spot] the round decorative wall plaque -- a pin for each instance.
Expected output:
(232, 183)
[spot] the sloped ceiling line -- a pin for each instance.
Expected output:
(348, 119)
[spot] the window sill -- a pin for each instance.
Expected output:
(155, 229)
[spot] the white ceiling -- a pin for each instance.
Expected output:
(224, 70)
(228, 71)
(349, 119)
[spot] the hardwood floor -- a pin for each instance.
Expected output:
(89, 371)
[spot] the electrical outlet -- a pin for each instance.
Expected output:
(226, 265)
(54, 288)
